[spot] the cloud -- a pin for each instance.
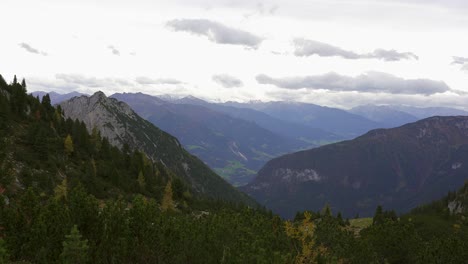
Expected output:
(459, 60)
(215, 32)
(306, 47)
(78, 79)
(114, 50)
(30, 49)
(145, 80)
(371, 82)
(227, 81)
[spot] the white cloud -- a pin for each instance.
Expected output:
(215, 32)
(227, 81)
(30, 49)
(371, 82)
(146, 80)
(306, 47)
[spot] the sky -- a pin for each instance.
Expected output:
(338, 53)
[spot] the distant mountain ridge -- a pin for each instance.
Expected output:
(56, 98)
(386, 115)
(399, 168)
(397, 115)
(337, 121)
(121, 125)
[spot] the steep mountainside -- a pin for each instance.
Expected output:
(384, 114)
(235, 148)
(337, 121)
(399, 168)
(121, 125)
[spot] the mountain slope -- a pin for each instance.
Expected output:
(235, 148)
(337, 121)
(399, 168)
(121, 125)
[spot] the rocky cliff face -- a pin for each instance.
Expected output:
(121, 125)
(107, 115)
(399, 168)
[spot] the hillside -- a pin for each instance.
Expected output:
(398, 168)
(123, 127)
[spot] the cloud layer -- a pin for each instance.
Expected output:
(306, 47)
(30, 49)
(215, 32)
(146, 80)
(371, 82)
(78, 79)
(227, 81)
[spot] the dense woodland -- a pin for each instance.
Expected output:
(68, 196)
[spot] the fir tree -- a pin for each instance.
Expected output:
(3, 252)
(75, 250)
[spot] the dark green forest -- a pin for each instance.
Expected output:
(68, 196)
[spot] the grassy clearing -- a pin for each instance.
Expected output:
(359, 224)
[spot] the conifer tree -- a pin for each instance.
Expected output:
(15, 80)
(167, 203)
(3, 252)
(23, 84)
(75, 249)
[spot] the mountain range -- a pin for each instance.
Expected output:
(398, 168)
(237, 139)
(123, 127)
(233, 147)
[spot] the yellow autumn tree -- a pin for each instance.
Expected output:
(60, 190)
(68, 144)
(141, 180)
(167, 203)
(304, 233)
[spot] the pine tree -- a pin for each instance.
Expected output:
(378, 217)
(23, 84)
(75, 250)
(68, 145)
(3, 252)
(15, 80)
(167, 203)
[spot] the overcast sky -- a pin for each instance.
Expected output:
(339, 53)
